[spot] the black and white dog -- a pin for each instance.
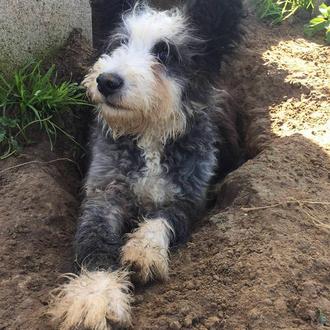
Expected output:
(164, 135)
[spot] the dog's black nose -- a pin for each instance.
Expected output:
(109, 83)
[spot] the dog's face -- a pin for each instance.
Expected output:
(138, 83)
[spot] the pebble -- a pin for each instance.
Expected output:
(190, 285)
(216, 277)
(175, 325)
(212, 322)
(187, 322)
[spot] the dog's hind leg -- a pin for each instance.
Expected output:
(100, 295)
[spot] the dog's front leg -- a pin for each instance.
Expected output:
(106, 216)
(147, 249)
(99, 296)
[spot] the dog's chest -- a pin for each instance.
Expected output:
(152, 186)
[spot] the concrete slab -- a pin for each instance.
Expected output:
(31, 28)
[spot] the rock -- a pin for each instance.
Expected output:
(175, 325)
(212, 322)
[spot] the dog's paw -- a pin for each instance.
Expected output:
(146, 251)
(93, 300)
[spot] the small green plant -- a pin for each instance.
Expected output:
(280, 10)
(269, 10)
(321, 317)
(33, 98)
(319, 23)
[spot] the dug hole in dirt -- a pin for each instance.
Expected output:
(262, 258)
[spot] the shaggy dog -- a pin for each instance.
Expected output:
(164, 135)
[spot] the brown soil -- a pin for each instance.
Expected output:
(261, 261)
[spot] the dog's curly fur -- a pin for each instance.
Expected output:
(164, 135)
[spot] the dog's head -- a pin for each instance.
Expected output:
(139, 81)
(148, 68)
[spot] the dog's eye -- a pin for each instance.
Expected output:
(164, 52)
(161, 51)
(162, 56)
(124, 40)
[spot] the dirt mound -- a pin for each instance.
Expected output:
(261, 261)
(39, 205)
(38, 212)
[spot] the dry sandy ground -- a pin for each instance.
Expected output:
(260, 261)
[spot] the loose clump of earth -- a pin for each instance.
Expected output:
(261, 260)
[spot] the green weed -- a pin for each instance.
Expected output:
(319, 23)
(33, 98)
(269, 10)
(280, 10)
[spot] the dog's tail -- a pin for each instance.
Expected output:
(217, 23)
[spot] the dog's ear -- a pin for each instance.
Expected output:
(217, 22)
(106, 14)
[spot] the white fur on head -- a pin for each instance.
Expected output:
(150, 100)
(92, 300)
(147, 250)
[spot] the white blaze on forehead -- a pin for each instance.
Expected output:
(146, 27)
